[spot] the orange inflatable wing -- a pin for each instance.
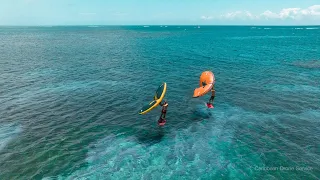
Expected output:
(200, 91)
(206, 77)
(206, 82)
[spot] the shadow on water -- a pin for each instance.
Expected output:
(200, 113)
(176, 120)
(151, 136)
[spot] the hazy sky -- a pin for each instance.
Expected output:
(130, 12)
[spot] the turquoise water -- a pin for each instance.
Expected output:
(70, 98)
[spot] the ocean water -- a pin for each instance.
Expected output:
(70, 98)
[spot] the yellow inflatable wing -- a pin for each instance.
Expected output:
(160, 93)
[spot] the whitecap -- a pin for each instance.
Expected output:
(311, 115)
(312, 28)
(293, 88)
(311, 64)
(7, 133)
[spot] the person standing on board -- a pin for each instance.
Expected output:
(162, 119)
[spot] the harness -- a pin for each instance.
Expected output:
(164, 109)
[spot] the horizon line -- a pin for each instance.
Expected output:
(2, 25)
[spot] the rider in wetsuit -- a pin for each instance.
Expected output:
(213, 93)
(163, 111)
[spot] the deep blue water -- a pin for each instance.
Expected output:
(70, 98)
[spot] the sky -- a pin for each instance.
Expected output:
(159, 12)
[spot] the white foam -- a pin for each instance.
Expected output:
(75, 85)
(293, 88)
(204, 147)
(311, 115)
(181, 151)
(312, 28)
(7, 133)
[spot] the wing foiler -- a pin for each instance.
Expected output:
(206, 82)
(160, 93)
